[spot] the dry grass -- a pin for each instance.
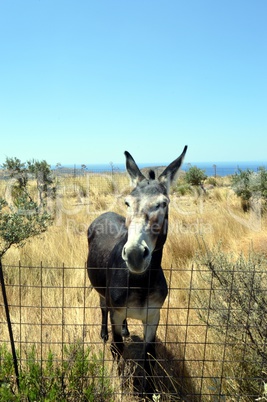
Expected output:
(213, 217)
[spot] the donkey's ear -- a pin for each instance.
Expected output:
(133, 169)
(167, 177)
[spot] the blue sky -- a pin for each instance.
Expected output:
(81, 81)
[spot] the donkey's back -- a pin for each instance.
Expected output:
(104, 233)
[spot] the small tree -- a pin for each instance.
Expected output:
(42, 173)
(18, 171)
(23, 217)
(83, 167)
(20, 223)
(250, 186)
(22, 172)
(195, 176)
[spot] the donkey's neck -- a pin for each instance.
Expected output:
(156, 258)
(163, 234)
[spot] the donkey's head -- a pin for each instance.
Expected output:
(147, 215)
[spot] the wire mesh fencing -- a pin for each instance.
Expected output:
(211, 340)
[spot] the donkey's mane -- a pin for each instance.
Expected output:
(151, 175)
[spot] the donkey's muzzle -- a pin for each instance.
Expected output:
(137, 257)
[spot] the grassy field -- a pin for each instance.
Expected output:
(190, 359)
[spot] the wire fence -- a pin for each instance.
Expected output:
(55, 312)
(211, 340)
(215, 170)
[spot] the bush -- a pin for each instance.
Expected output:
(80, 377)
(195, 176)
(183, 188)
(23, 172)
(17, 225)
(22, 217)
(250, 186)
(212, 181)
(235, 306)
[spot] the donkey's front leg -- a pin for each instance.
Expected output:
(150, 329)
(117, 345)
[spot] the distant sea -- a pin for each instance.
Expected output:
(210, 168)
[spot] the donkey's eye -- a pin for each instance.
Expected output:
(127, 203)
(161, 205)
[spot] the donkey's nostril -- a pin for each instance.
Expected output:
(146, 252)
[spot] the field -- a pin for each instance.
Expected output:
(190, 355)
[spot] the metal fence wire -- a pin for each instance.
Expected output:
(209, 346)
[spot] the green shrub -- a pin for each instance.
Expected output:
(250, 186)
(235, 307)
(23, 172)
(195, 176)
(212, 181)
(81, 377)
(22, 217)
(183, 188)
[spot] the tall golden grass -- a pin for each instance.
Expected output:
(189, 357)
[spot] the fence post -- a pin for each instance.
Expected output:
(12, 343)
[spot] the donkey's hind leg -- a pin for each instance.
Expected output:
(104, 325)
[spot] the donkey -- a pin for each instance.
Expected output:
(124, 260)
